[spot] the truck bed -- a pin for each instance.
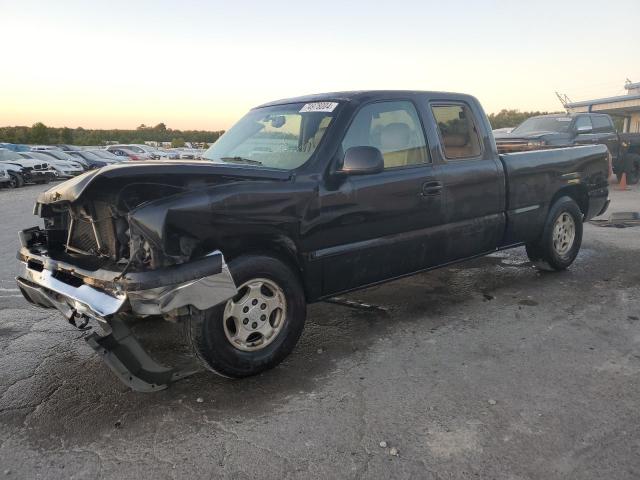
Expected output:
(535, 179)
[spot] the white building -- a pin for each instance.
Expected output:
(625, 106)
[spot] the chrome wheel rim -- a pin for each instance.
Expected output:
(255, 316)
(564, 234)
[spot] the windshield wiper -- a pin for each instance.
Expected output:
(248, 161)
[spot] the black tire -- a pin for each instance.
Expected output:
(631, 168)
(16, 180)
(543, 253)
(206, 334)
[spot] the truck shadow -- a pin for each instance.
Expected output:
(72, 395)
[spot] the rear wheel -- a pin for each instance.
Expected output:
(255, 330)
(561, 238)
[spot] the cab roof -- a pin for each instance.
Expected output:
(364, 95)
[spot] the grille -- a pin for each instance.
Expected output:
(511, 146)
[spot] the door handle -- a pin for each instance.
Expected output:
(430, 189)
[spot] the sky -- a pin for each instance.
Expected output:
(203, 64)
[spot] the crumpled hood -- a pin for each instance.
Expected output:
(159, 171)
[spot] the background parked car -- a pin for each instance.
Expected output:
(34, 171)
(106, 155)
(68, 148)
(132, 152)
(16, 174)
(15, 147)
(566, 130)
(151, 151)
(5, 179)
(91, 158)
(42, 148)
(63, 168)
(169, 154)
(189, 153)
(65, 157)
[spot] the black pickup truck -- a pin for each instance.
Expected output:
(566, 130)
(301, 200)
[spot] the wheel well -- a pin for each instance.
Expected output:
(283, 248)
(578, 193)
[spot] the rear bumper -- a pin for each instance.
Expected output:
(101, 294)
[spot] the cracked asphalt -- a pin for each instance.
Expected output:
(487, 369)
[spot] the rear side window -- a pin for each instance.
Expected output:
(583, 122)
(458, 131)
(394, 129)
(602, 124)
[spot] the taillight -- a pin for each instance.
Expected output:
(134, 157)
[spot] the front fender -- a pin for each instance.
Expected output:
(211, 216)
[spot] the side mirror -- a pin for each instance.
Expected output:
(362, 161)
(584, 129)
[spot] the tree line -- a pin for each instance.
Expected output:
(511, 118)
(39, 133)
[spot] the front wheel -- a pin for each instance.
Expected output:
(16, 180)
(561, 237)
(255, 330)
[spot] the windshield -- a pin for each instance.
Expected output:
(8, 155)
(87, 156)
(37, 156)
(544, 124)
(106, 154)
(129, 148)
(282, 136)
(59, 155)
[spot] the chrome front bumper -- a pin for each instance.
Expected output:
(101, 294)
(43, 289)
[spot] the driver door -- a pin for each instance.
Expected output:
(383, 225)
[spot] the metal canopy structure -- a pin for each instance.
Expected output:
(626, 106)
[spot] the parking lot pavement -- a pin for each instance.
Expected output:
(487, 369)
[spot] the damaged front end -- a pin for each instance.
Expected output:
(93, 262)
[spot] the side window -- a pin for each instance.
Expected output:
(602, 124)
(583, 122)
(394, 129)
(458, 131)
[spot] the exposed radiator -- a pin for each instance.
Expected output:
(92, 237)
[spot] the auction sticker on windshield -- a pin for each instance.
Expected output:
(319, 107)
